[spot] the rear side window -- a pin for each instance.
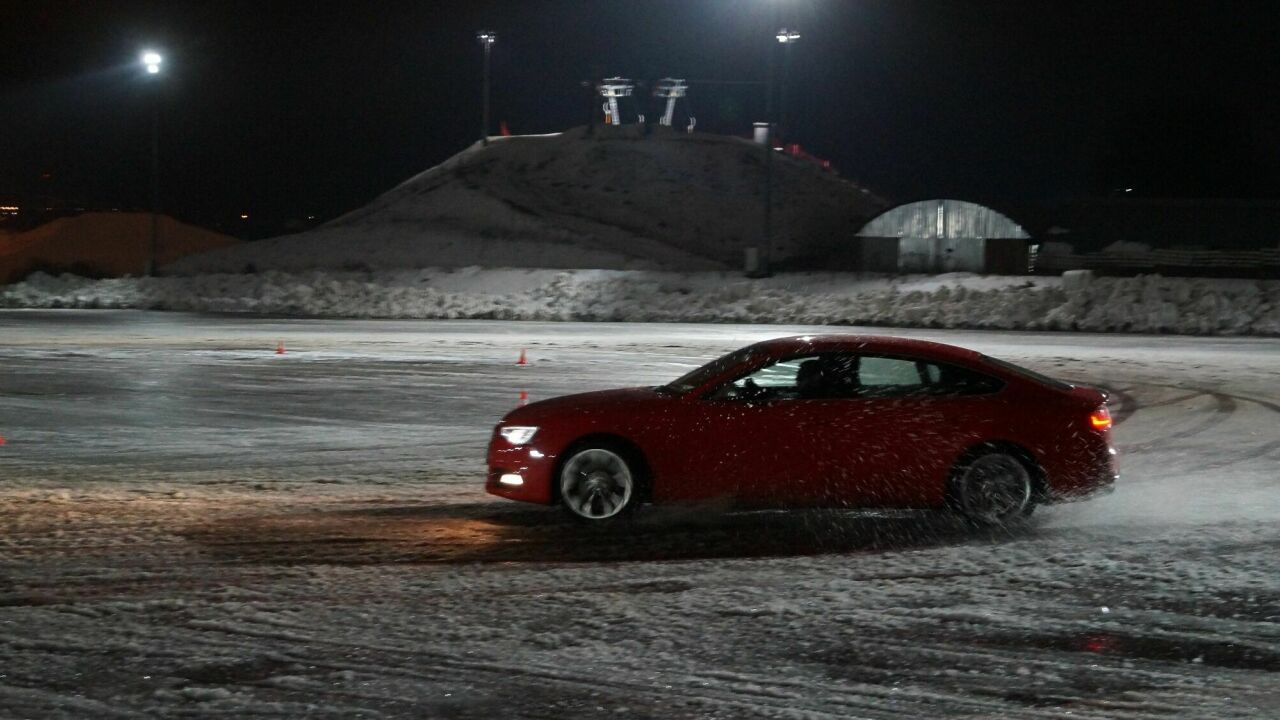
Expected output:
(881, 372)
(902, 377)
(1029, 374)
(953, 380)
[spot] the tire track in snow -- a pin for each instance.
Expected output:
(1225, 408)
(749, 692)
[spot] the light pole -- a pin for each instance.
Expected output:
(152, 60)
(787, 38)
(486, 38)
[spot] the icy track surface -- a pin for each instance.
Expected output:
(192, 525)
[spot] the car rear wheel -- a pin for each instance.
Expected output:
(994, 488)
(597, 484)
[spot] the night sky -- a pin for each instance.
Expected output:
(288, 109)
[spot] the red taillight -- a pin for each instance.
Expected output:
(1100, 419)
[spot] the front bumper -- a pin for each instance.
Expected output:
(534, 468)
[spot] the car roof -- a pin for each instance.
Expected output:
(886, 344)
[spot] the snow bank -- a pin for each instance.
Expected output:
(1146, 304)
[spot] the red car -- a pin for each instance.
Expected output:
(817, 421)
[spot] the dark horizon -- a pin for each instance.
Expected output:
(289, 110)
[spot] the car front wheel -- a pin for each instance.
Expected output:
(994, 489)
(598, 484)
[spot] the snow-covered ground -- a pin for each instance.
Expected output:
(1149, 304)
(192, 525)
(611, 199)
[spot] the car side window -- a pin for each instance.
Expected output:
(779, 376)
(831, 376)
(883, 372)
(954, 380)
(807, 377)
(774, 381)
(907, 377)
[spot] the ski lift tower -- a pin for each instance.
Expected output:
(611, 89)
(672, 89)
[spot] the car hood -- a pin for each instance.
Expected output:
(583, 402)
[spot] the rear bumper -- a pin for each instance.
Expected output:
(1083, 469)
(1104, 485)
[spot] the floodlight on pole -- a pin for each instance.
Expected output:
(787, 38)
(486, 38)
(152, 60)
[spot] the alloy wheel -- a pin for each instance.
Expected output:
(995, 488)
(596, 484)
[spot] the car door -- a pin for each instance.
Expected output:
(749, 442)
(893, 440)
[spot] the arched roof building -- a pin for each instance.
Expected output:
(943, 235)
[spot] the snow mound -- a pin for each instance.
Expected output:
(1121, 247)
(102, 244)
(1145, 304)
(612, 199)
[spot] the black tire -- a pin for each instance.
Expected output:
(991, 488)
(599, 483)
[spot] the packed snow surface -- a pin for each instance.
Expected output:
(1147, 304)
(192, 525)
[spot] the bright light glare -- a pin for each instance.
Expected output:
(787, 36)
(152, 60)
(518, 434)
(511, 479)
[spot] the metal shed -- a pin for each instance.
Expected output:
(943, 235)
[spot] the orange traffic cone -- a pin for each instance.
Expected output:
(522, 360)
(3, 441)
(524, 398)
(280, 348)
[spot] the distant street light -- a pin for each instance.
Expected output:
(787, 38)
(486, 38)
(765, 260)
(152, 60)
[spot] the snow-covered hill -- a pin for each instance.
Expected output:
(611, 199)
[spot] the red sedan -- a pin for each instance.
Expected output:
(821, 421)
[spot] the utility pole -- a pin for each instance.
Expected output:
(486, 38)
(766, 249)
(152, 61)
(152, 259)
(786, 38)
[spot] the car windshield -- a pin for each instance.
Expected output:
(1029, 374)
(698, 377)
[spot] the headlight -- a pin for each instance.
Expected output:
(518, 434)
